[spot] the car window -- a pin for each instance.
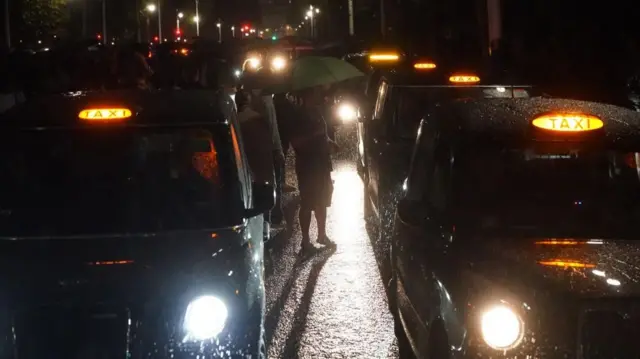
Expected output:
(568, 186)
(421, 163)
(438, 182)
(86, 181)
(241, 165)
(413, 102)
(380, 101)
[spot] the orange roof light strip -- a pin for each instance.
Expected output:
(559, 242)
(568, 122)
(566, 264)
(464, 79)
(424, 66)
(110, 263)
(384, 57)
(104, 114)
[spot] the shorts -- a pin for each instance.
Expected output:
(316, 187)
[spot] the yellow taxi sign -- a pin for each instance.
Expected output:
(424, 66)
(566, 263)
(104, 114)
(568, 122)
(464, 79)
(384, 57)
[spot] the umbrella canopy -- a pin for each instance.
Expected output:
(312, 71)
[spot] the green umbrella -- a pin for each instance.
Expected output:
(312, 71)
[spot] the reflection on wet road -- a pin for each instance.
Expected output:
(332, 305)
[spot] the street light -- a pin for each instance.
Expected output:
(310, 15)
(233, 31)
(196, 19)
(152, 8)
(180, 16)
(219, 26)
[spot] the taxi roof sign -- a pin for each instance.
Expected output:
(384, 57)
(566, 263)
(568, 122)
(105, 114)
(424, 66)
(464, 79)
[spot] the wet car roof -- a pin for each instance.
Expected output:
(172, 107)
(513, 117)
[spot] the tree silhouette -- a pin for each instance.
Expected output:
(45, 16)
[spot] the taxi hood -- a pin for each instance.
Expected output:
(583, 268)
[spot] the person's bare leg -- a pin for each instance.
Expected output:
(304, 215)
(321, 219)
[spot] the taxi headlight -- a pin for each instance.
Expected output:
(502, 328)
(253, 63)
(205, 318)
(278, 63)
(347, 112)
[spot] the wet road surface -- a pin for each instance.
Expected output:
(332, 305)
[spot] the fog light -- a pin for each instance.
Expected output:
(205, 318)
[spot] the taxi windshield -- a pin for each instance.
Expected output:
(115, 180)
(413, 101)
(567, 187)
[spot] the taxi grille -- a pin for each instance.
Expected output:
(610, 334)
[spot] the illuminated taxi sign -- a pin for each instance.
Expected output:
(384, 57)
(559, 242)
(104, 114)
(424, 66)
(464, 79)
(566, 263)
(568, 122)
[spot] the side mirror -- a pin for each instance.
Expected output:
(264, 198)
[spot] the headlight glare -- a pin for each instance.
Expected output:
(347, 112)
(205, 318)
(502, 328)
(278, 63)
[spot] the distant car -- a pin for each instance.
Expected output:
(517, 233)
(129, 223)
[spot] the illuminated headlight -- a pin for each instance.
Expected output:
(278, 63)
(254, 63)
(205, 318)
(347, 112)
(237, 73)
(502, 328)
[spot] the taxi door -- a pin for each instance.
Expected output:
(421, 249)
(367, 107)
(374, 141)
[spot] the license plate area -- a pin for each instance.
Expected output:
(72, 332)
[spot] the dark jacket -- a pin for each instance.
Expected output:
(257, 144)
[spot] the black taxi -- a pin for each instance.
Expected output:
(518, 233)
(386, 134)
(129, 228)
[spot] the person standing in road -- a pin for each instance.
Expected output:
(257, 143)
(263, 103)
(313, 167)
(285, 113)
